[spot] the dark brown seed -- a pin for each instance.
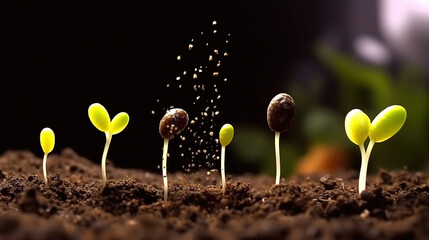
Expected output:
(280, 112)
(173, 123)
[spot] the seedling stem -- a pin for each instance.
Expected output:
(277, 149)
(103, 159)
(222, 168)
(164, 168)
(45, 175)
(364, 165)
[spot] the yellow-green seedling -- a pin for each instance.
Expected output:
(280, 114)
(101, 120)
(358, 127)
(47, 141)
(226, 134)
(173, 123)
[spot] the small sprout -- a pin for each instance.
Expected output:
(172, 124)
(226, 134)
(47, 141)
(101, 120)
(280, 114)
(358, 127)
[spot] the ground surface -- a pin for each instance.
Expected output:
(394, 206)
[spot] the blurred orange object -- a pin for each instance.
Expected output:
(323, 159)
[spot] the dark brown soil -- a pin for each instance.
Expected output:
(394, 206)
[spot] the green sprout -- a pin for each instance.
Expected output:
(47, 141)
(101, 120)
(226, 134)
(358, 127)
(280, 114)
(172, 124)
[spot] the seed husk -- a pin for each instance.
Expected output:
(280, 112)
(173, 123)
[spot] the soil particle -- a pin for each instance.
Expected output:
(395, 204)
(328, 182)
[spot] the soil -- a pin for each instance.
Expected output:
(73, 205)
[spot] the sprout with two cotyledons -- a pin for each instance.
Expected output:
(358, 127)
(101, 120)
(226, 134)
(172, 124)
(47, 141)
(280, 114)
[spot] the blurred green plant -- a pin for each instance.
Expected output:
(323, 103)
(253, 145)
(369, 87)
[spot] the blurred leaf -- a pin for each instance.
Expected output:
(354, 75)
(373, 89)
(289, 157)
(253, 144)
(322, 125)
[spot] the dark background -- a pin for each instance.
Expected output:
(59, 57)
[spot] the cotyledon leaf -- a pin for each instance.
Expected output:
(99, 117)
(226, 134)
(357, 125)
(119, 122)
(47, 140)
(387, 123)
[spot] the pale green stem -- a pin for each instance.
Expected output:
(164, 168)
(363, 169)
(364, 165)
(222, 168)
(44, 168)
(369, 149)
(277, 149)
(103, 159)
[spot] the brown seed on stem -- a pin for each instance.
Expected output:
(280, 115)
(173, 123)
(280, 112)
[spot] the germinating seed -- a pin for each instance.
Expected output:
(173, 123)
(280, 112)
